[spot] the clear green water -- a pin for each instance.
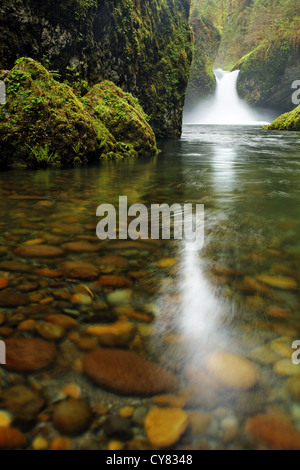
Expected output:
(210, 301)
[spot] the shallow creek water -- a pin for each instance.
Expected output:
(220, 321)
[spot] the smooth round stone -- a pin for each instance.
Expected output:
(11, 438)
(113, 281)
(72, 417)
(81, 298)
(126, 373)
(114, 334)
(50, 330)
(286, 367)
(165, 426)
(121, 296)
(39, 251)
(63, 320)
(281, 282)
(166, 262)
(39, 443)
(22, 401)
(3, 282)
(112, 260)
(28, 286)
(13, 299)
(231, 370)
(61, 443)
(29, 354)
(15, 266)
(276, 432)
(35, 241)
(80, 246)
(48, 272)
(126, 411)
(79, 270)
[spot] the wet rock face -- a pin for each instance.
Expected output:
(145, 49)
(202, 81)
(266, 77)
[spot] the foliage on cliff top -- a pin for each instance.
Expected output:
(288, 121)
(245, 24)
(44, 123)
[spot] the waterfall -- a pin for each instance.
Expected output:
(225, 107)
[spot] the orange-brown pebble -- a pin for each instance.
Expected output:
(27, 325)
(166, 262)
(119, 333)
(61, 443)
(278, 312)
(87, 343)
(113, 281)
(74, 336)
(81, 298)
(46, 300)
(71, 390)
(36, 297)
(165, 426)
(126, 411)
(277, 433)
(115, 445)
(11, 438)
(48, 272)
(6, 331)
(62, 320)
(3, 282)
(36, 241)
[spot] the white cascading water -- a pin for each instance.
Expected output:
(226, 107)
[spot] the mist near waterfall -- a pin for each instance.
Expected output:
(226, 107)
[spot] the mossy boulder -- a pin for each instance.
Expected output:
(125, 119)
(44, 123)
(287, 122)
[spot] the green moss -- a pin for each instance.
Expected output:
(42, 120)
(122, 115)
(44, 123)
(288, 121)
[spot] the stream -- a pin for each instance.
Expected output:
(221, 319)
